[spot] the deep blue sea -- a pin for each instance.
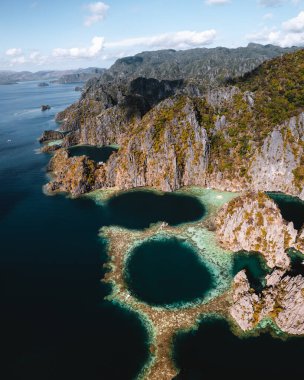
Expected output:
(54, 323)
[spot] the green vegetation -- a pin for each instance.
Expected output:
(278, 87)
(277, 91)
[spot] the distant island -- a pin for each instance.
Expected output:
(55, 76)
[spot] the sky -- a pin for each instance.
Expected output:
(69, 34)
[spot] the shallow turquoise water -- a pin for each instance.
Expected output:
(167, 271)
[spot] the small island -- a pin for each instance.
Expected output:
(45, 107)
(43, 84)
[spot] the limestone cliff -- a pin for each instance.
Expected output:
(248, 136)
(168, 149)
(253, 222)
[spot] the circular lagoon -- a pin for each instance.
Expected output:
(138, 209)
(167, 272)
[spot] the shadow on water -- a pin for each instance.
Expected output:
(213, 352)
(138, 209)
(255, 266)
(94, 153)
(167, 271)
(292, 208)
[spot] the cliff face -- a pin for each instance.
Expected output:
(168, 149)
(253, 222)
(275, 165)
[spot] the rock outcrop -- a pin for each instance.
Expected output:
(253, 222)
(244, 302)
(74, 175)
(282, 300)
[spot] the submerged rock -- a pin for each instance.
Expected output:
(45, 107)
(253, 222)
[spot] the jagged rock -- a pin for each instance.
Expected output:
(45, 107)
(244, 301)
(51, 135)
(290, 318)
(282, 300)
(253, 222)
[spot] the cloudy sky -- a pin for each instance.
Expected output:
(61, 34)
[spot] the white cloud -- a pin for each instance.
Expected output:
(291, 33)
(179, 40)
(296, 24)
(18, 60)
(217, 2)
(76, 52)
(13, 52)
(97, 13)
